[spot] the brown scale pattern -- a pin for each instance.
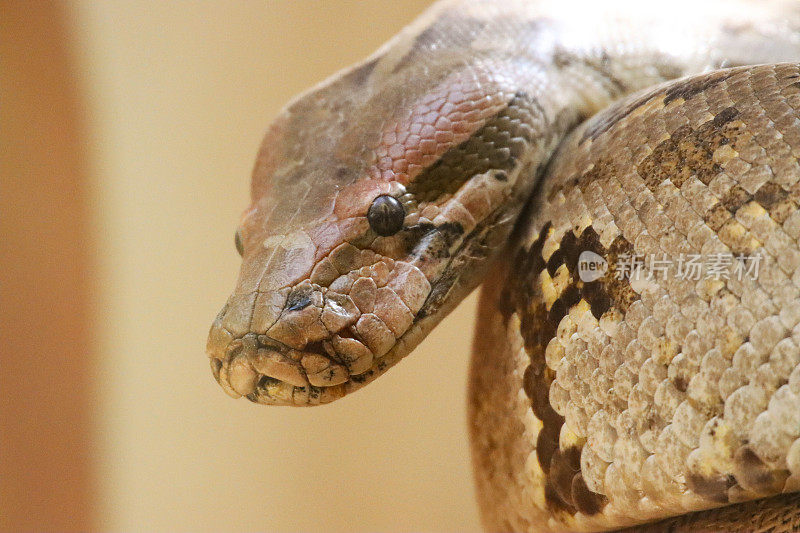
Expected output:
(565, 488)
(496, 146)
(668, 395)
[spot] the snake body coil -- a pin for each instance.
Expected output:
(636, 356)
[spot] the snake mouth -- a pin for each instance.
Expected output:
(254, 367)
(267, 374)
(265, 371)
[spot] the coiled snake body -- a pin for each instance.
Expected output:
(636, 356)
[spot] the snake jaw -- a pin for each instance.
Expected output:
(245, 367)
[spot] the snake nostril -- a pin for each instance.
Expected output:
(298, 304)
(299, 298)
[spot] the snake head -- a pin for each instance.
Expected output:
(376, 206)
(367, 226)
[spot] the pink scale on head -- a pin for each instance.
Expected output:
(440, 120)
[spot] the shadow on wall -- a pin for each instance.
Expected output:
(45, 447)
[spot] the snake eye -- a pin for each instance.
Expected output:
(238, 240)
(386, 215)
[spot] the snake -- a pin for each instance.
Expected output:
(621, 178)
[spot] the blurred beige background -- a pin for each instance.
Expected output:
(170, 101)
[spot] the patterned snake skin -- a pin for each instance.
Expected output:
(636, 360)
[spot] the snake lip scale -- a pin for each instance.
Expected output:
(505, 144)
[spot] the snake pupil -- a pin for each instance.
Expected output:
(386, 215)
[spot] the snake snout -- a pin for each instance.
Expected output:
(242, 368)
(231, 361)
(266, 371)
